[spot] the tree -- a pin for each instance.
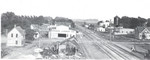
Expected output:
(6, 21)
(64, 21)
(130, 22)
(29, 35)
(148, 24)
(99, 22)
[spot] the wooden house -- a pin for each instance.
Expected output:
(16, 36)
(142, 32)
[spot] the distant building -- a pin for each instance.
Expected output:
(43, 29)
(116, 21)
(142, 32)
(105, 24)
(123, 31)
(101, 29)
(16, 36)
(86, 26)
(61, 32)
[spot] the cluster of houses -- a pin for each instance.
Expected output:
(141, 32)
(16, 36)
(103, 26)
(65, 48)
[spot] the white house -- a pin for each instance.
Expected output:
(142, 32)
(86, 26)
(101, 29)
(123, 31)
(16, 36)
(61, 32)
(105, 24)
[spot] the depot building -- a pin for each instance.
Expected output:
(61, 31)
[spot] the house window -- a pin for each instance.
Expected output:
(11, 35)
(16, 35)
(16, 42)
(122, 31)
(140, 35)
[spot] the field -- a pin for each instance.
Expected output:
(27, 49)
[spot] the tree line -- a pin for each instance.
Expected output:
(129, 22)
(8, 20)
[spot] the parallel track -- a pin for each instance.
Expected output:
(106, 45)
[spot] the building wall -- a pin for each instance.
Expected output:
(147, 36)
(101, 29)
(137, 35)
(105, 24)
(54, 33)
(61, 30)
(124, 31)
(11, 40)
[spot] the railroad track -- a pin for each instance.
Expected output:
(109, 51)
(126, 55)
(105, 51)
(84, 49)
(126, 51)
(106, 48)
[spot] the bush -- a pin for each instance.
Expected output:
(29, 34)
(4, 53)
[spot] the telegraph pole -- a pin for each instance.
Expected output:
(110, 34)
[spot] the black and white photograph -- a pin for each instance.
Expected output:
(75, 29)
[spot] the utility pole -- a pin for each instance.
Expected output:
(38, 39)
(110, 35)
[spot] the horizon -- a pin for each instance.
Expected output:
(78, 9)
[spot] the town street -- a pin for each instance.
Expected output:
(96, 47)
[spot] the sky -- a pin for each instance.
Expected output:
(78, 9)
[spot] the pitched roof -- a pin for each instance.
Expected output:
(140, 29)
(71, 40)
(20, 30)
